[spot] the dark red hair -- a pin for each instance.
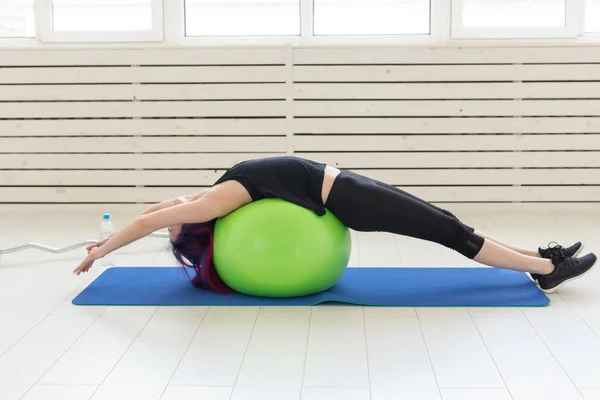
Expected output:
(194, 248)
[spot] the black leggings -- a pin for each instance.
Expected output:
(367, 205)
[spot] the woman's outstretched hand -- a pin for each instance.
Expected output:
(141, 226)
(87, 263)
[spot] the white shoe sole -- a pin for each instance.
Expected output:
(579, 251)
(554, 289)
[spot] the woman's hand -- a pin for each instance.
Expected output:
(87, 263)
(180, 200)
(99, 243)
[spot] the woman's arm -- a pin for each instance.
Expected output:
(175, 201)
(157, 207)
(213, 204)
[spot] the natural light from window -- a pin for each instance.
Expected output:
(102, 15)
(373, 17)
(592, 16)
(514, 13)
(17, 19)
(242, 17)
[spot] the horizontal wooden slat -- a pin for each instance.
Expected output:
(143, 144)
(444, 55)
(152, 109)
(447, 142)
(506, 193)
(447, 108)
(110, 178)
(445, 125)
(408, 177)
(538, 159)
(301, 108)
(391, 54)
(92, 195)
(250, 91)
(143, 74)
(148, 127)
(243, 74)
(267, 127)
(198, 160)
(431, 193)
(182, 56)
(446, 73)
(504, 90)
(490, 177)
(557, 159)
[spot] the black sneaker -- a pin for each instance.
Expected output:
(557, 251)
(566, 270)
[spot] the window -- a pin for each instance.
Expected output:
(17, 19)
(513, 13)
(100, 20)
(371, 17)
(242, 17)
(514, 18)
(592, 16)
(190, 22)
(101, 15)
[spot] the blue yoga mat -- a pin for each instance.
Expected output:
(412, 287)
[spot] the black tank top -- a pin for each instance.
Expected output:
(290, 178)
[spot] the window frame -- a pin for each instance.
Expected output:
(170, 32)
(175, 30)
(44, 16)
(573, 28)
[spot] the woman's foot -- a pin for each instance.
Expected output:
(565, 270)
(557, 251)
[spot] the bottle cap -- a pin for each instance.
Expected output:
(106, 216)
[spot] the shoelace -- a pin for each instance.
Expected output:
(556, 251)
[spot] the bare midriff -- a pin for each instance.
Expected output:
(330, 174)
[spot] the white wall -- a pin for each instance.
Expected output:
(449, 124)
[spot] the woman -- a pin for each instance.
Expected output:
(361, 203)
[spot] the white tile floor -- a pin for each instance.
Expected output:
(50, 349)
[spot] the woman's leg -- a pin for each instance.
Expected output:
(363, 204)
(496, 255)
(571, 251)
(531, 253)
(549, 252)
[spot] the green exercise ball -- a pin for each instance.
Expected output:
(274, 248)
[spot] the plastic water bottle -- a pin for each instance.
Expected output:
(106, 229)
